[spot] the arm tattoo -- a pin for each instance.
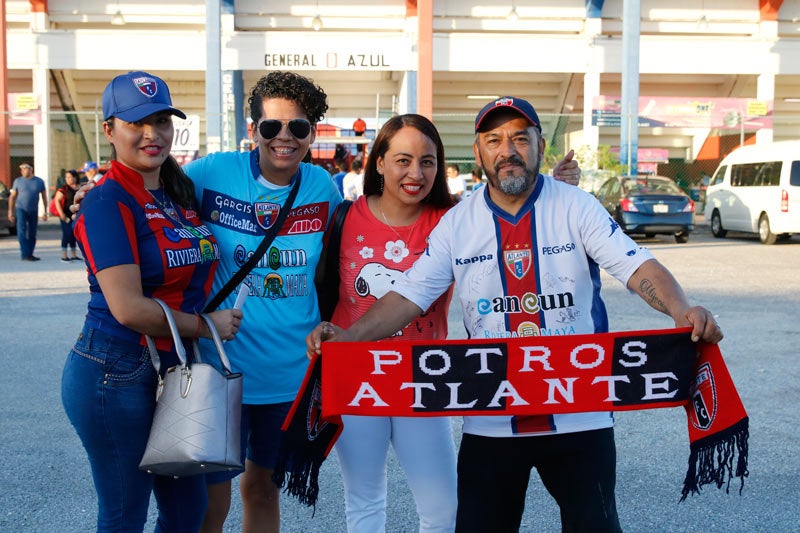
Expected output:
(650, 296)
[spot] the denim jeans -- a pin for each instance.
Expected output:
(67, 236)
(108, 390)
(27, 223)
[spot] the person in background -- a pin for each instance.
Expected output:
(477, 179)
(142, 238)
(239, 196)
(455, 183)
(574, 454)
(23, 209)
(353, 181)
(340, 173)
(359, 127)
(64, 197)
(91, 171)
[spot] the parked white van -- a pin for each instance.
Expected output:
(757, 189)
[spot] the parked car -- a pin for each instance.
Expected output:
(4, 222)
(648, 205)
(757, 189)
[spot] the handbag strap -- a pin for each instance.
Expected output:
(176, 338)
(257, 255)
(179, 349)
(223, 357)
(335, 239)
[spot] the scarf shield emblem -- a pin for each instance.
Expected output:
(704, 398)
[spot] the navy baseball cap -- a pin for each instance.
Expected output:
(519, 105)
(89, 165)
(136, 95)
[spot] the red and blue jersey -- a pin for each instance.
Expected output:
(120, 223)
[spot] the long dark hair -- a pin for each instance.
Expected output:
(176, 183)
(440, 195)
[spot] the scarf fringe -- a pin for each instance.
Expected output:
(301, 479)
(711, 460)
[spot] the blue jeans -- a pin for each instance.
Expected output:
(108, 390)
(67, 236)
(27, 222)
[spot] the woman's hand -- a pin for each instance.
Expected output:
(80, 194)
(325, 331)
(227, 322)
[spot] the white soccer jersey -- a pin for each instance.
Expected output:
(535, 273)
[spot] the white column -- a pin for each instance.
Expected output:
(213, 77)
(765, 90)
(591, 83)
(40, 76)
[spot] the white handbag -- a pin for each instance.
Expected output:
(197, 422)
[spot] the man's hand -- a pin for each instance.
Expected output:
(704, 325)
(567, 170)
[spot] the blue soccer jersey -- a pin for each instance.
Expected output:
(121, 223)
(239, 206)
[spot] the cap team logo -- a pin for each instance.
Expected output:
(266, 213)
(704, 398)
(147, 86)
(518, 262)
(504, 101)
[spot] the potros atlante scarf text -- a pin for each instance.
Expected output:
(525, 377)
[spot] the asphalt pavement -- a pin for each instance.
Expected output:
(754, 290)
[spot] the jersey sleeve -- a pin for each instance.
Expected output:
(432, 274)
(606, 243)
(106, 229)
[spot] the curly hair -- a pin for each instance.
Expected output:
(373, 182)
(290, 86)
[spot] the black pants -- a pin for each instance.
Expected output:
(577, 469)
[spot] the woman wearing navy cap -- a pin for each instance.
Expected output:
(141, 238)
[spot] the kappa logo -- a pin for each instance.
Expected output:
(518, 262)
(704, 398)
(147, 86)
(314, 422)
(614, 226)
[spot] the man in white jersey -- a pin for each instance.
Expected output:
(540, 243)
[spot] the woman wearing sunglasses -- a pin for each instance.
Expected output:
(240, 195)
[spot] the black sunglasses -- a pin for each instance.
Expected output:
(300, 128)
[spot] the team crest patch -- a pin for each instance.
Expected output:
(147, 86)
(704, 398)
(266, 213)
(314, 422)
(518, 262)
